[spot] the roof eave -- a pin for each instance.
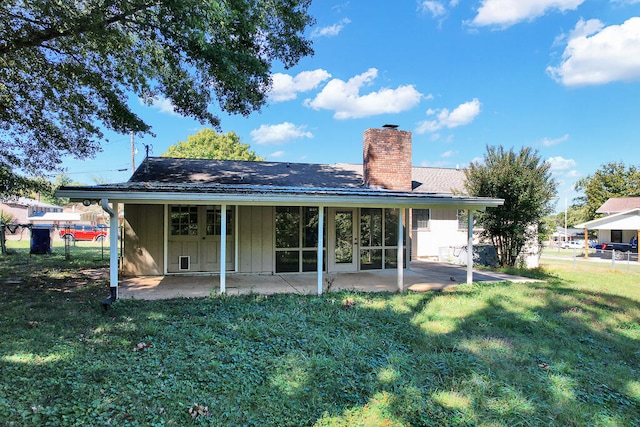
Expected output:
(377, 199)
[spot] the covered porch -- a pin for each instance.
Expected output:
(421, 276)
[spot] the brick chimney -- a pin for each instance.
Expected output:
(387, 158)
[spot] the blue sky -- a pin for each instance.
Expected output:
(561, 76)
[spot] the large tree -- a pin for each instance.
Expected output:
(524, 181)
(209, 144)
(612, 179)
(69, 68)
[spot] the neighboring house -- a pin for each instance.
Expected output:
(620, 223)
(186, 216)
(23, 208)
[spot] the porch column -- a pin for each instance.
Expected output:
(586, 243)
(113, 249)
(223, 249)
(400, 250)
(469, 246)
(320, 245)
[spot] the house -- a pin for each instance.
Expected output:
(22, 209)
(620, 223)
(189, 216)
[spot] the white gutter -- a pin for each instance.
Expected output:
(416, 200)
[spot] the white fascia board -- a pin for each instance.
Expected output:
(627, 220)
(267, 199)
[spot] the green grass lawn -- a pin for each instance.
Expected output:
(565, 352)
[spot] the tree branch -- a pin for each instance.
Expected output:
(85, 24)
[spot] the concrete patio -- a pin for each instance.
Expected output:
(421, 276)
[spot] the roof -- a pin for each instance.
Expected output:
(159, 180)
(55, 216)
(627, 220)
(619, 204)
(304, 175)
(28, 202)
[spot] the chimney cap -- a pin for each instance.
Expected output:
(390, 126)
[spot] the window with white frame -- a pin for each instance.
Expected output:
(420, 219)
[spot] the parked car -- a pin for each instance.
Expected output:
(619, 247)
(573, 244)
(83, 232)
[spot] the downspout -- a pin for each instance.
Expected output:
(113, 252)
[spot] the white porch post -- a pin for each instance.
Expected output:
(320, 246)
(113, 248)
(223, 248)
(400, 250)
(469, 246)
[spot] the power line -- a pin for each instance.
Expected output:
(92, 171)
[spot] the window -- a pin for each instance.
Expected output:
(616, 236)
(463, 219)
(420, 219)
(297, 239)
(184, 220)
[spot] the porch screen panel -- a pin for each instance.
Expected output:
(287, 227)
(310, 220)
(344, 237)
(371, 227)
(287, 237)
(296, 234)
(378, 238)
(391, 227)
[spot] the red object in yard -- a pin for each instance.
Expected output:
(83, 232)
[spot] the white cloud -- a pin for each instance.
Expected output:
(330, 31)
(279, 134)
(163, 105)
(461, 115)
(551, 142)
(448, 154)
(504, 13)
(477, 160)
(435, 8)
(345, 99)
(573, 174)
(285, 87)
(559, 163)
(598, 55)
(276, 154)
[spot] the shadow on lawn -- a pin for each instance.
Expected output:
(480, 354)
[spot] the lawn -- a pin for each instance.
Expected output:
(563, 352)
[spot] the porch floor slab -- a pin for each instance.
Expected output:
(421, 276)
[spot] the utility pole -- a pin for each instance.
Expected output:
(133, 155)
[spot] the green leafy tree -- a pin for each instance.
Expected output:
(48, 196)
(12, 184)
(612, 179)
(69, 68)
(524, 181)
(208, 144)
(575, 215)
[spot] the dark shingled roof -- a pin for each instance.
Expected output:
(163, 170)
